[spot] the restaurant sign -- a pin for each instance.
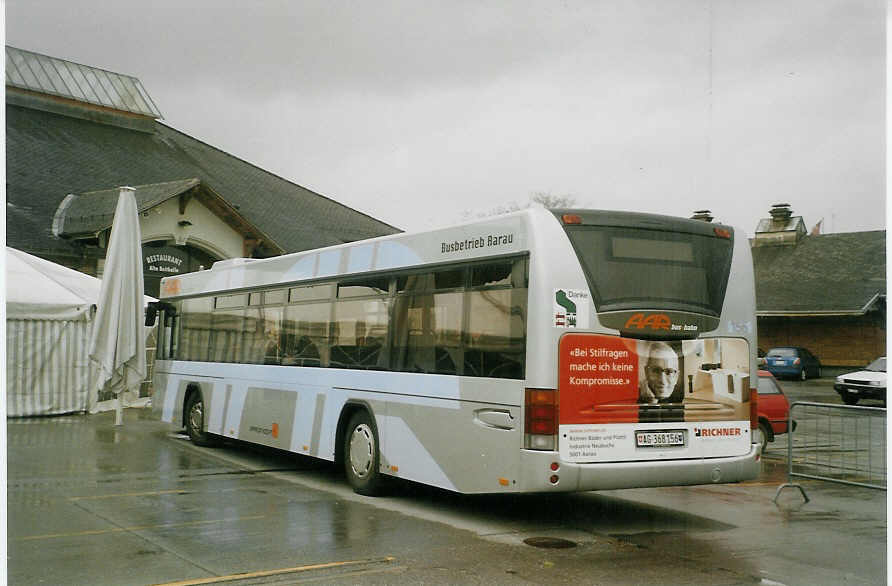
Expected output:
(166, 260)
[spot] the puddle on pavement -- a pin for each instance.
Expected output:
(108, 436)
(682, 548)
(590, 513)
(773, 471)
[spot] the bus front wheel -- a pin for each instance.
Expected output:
(195, 421)
(361, 455)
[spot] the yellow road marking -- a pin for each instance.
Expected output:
(342, 576)
(265, 573)
(123, 494)
(136, 528)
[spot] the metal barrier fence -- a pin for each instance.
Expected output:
(836, 443)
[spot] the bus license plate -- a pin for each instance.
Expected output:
(659, 439)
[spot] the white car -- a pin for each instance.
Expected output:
(869, 383)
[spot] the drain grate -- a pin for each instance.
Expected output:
(550, 542)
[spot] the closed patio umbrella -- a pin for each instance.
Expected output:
(117, 344)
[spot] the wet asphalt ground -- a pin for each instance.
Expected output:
(91, 503)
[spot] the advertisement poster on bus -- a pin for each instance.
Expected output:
(623, 399)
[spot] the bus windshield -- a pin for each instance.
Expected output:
(632, 268)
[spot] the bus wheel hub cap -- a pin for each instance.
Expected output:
(362, 446)
(196, 416)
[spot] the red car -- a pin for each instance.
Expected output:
(773, 408)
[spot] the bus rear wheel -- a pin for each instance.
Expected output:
(361, 455)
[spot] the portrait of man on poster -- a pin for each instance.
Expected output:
(661, 376)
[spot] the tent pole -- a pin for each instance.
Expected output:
(119, 411)
(119, 407)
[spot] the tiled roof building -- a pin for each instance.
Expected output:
(75, 134)
(825, 292)
(827, 274)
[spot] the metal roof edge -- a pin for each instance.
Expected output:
(872, 301)
(55, 78)
(62, 210)
(824, 313)
(59, 216)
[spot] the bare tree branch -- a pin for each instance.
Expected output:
(537, 199)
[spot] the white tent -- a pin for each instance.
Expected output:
(49, 311)
(49, 320)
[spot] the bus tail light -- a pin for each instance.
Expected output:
(541, 419)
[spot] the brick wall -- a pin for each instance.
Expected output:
(836, 341)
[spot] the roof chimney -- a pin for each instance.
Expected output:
(704, 215)
(781, 212)
(782, 228)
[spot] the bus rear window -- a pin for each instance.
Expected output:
(629, 268)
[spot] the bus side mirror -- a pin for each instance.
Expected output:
(153, 308)
(151, 314)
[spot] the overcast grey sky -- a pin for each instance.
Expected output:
(417, 112)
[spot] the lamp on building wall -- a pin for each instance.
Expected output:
(182, 233)
(249, 245)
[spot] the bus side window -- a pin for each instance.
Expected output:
(228, 335)
(494, 340)
(195, 332)
(164, 332)
(359, 333)
(253, 340)
(162, 336)
(413, 344)
(427, 329)
(272, 335)
(493, 274)
(305, 331)
(446, 326)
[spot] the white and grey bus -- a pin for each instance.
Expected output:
(562, 350)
